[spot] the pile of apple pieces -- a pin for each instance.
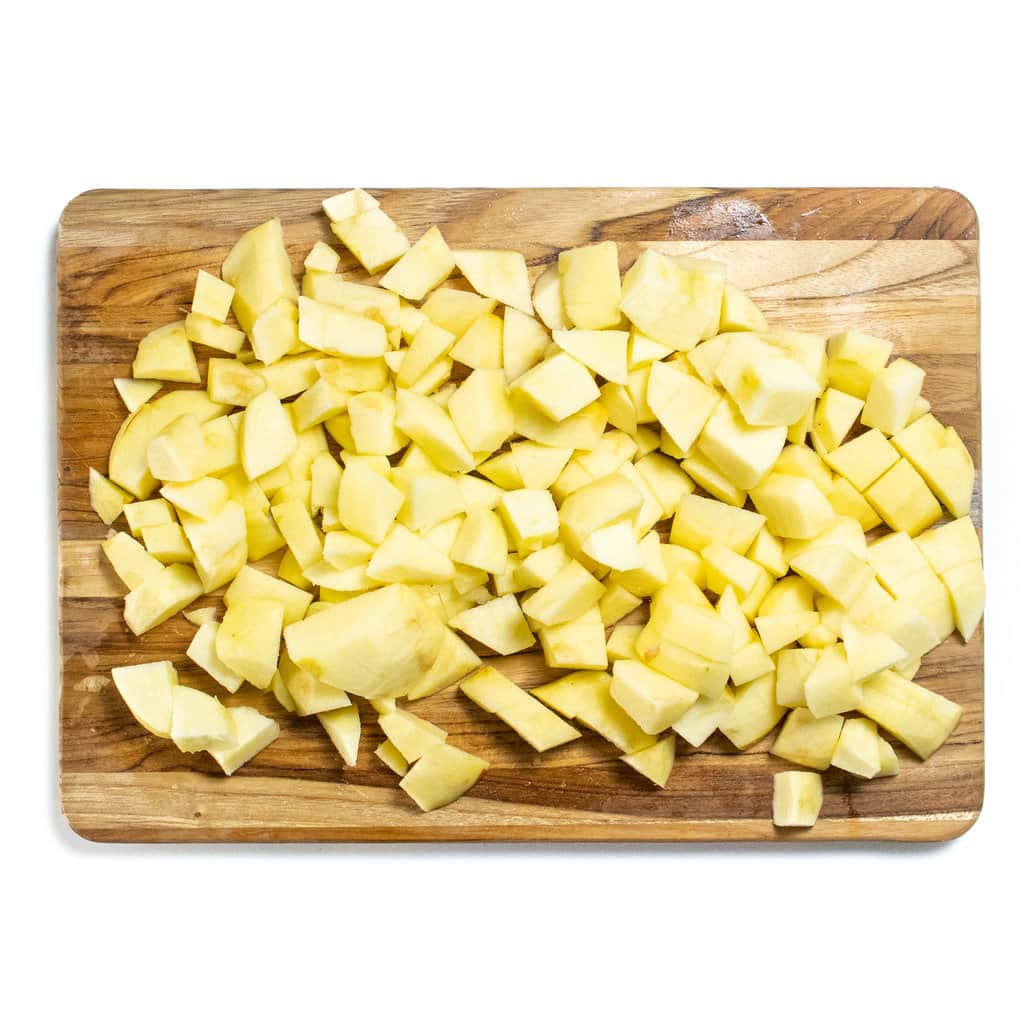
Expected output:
(431, 467)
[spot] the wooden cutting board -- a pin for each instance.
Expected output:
(901, 263)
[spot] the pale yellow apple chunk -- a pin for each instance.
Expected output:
(921, 719)
(253, 732)
(148, 690)
(527, 716)
(199, 721)
(377, 644)
(158, 597)
(656, 762)
(796, 799)
(203, 651)
(586, 697)
(498, 624)
(342, 725)
(808, 741)
(441, 776)
(248, 640)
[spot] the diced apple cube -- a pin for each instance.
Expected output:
(830, 689)
(744, 454)
(148, 690)
(681, 403)
(248, 639)
(854, 360)
(807, 740)
(165, 354)
(586, 697)
(602, 351)
(793, 506)
(864, 459)
(755, 713)
(199, 721)
(739, 312)
(919, 718)
(796, 799)
(576, 644)
(834, 416)
(892, 395)
(372, 237)
(590, 285)
(778, 631)
(547, 299)
(793, 666)
(858, 752)
(155, 599)
(422, 268)
(442, 775)
(498, 624)
(558, 387)
(497, 274)
(902, 498)
(343, 727)
(135, 393)
(655, 762)
(570, 593)
(481, 346)
(939, 455)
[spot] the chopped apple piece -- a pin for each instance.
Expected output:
(902, 498)
(454, 661)
(778, 631)
(590, 285)
(155, 599)
(199, 721)
(793, 666)
(481, 346)
(807, 740)
(858, 752)
(744, 454)
(834, 416)
(701, 719)
(892, 395)
(793, 506)
(559, 386)
(530, 517)
(392, 757)
(570, 593)
(252, 584)
(755, 713)
(586, 697)
(165, 354)
(342, 725)
(523, 713)
(919, 718)
(107, 499)
(135, 393)
(375, 645)
(653, 700)
(372, 237)
(253, 733)
(604, 352)
(442, 775)
(864, 459)
(498, 624)
(578, 643)
(796, 799)
(367, 503)
(248, 639)
(422, 268)
(699, 521)
(308, 693)
(497, 274)
(854, 360)
(148, 690)
(656, 762)
(830, 688)
(203, 651)
(680, 402)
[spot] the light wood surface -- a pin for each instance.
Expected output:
(901, 263)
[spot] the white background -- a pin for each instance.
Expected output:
(314, 94)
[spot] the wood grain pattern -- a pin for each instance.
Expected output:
(897, 262)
